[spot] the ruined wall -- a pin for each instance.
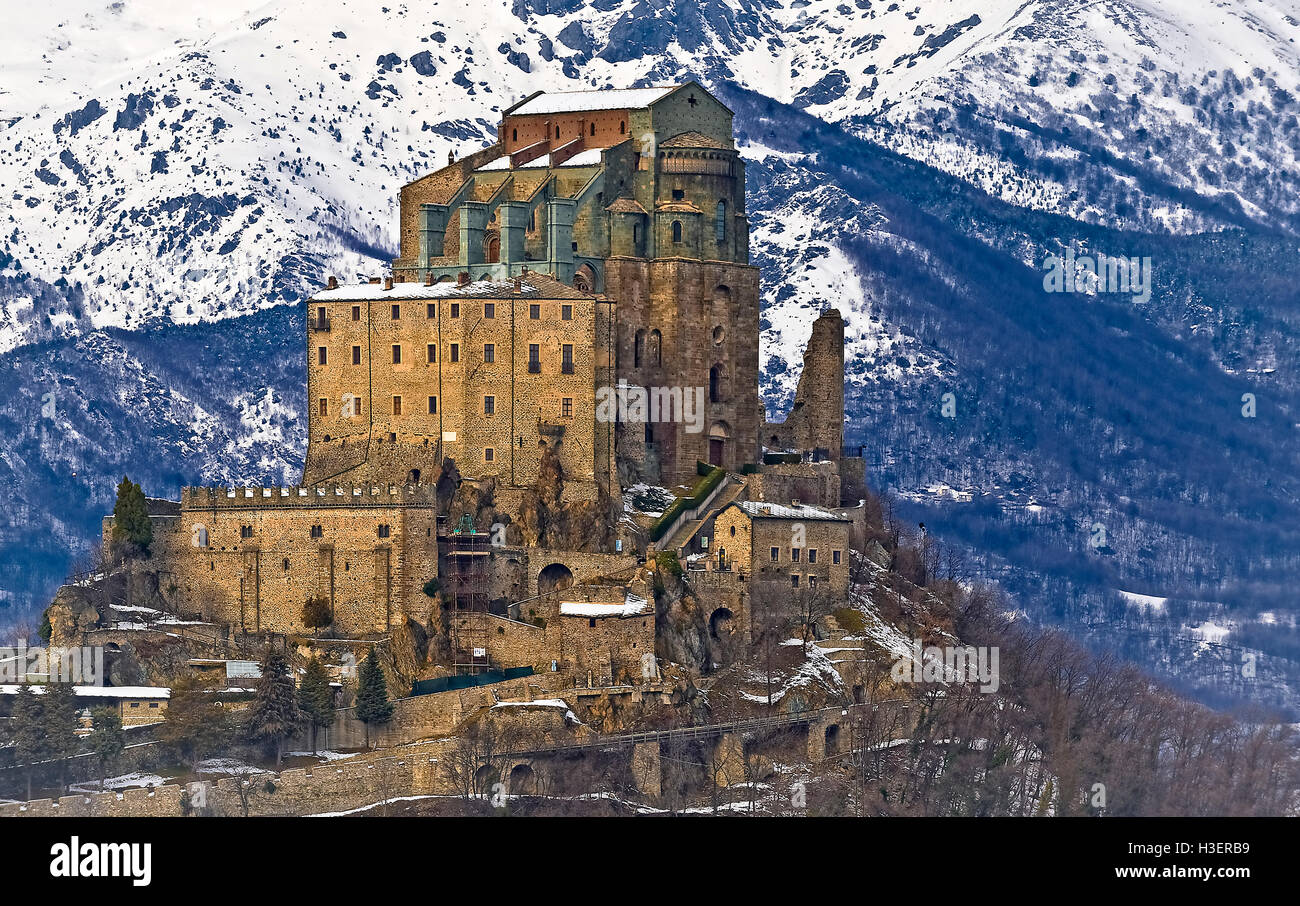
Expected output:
(816, 419)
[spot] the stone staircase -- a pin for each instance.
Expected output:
(732, 488)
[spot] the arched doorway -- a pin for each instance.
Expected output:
(554, 577)
(720, 623)
(832, 740)
(718, 435)
(413, 476)
(492, 248)
(584, 279)
(485, 778)
(523, 782)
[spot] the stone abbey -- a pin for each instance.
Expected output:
(461, 469)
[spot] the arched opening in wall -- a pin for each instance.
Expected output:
(655, 351)
(832, 740)
(413, 476)
(774, 442)
(720, 624)
(593, 128)
(718, 435)
(523, 782)
(584, 279)
(485, 778)
(514, 135)
(718, 383)
(677, 231)
(638, 240)
(722, 295)
(554, 577)
(720, 221)
(638, 348)
(445, 278)
(492, 248)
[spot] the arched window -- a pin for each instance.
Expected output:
(514, 135)
(557, 131)
(720, 221)
(638, 348)
(656, 348)
(622, 127)
(717, 383)
(677, 231)
(593, 128)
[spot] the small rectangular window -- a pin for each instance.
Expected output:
(566, 407)
(835, 557)
(489, 405)
(356, 313)
(433, 405)
(397, 405)
(776, 555)
(534, 312)
(317, 531)
(432, 352)
(794, 555)
(534, 358)
(323, 407)
(430, 310)
(322, 355)
(794, 581)
(356, 403)
(397, 354)
(812, 555)
(566, 312)
(489, 454)
(246, 531)
(397, 312)
(566, 358)
(489, 352)
(678, 195)
(385, 531)
(356, 355)
(489, 309)
(455, 352)
(455, 309)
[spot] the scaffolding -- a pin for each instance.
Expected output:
(468, 552)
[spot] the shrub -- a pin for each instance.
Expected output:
(850, 619)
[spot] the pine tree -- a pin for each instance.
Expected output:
(28, 731)
(274, 715)
(196, 724)
(106, 738)
(316, 698)
(61, 724)
(373, 706)
(131, 524)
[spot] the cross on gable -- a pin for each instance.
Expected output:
(691, 100)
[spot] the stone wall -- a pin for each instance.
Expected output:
(816, 419)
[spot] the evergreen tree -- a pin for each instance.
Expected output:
(28, 731)
(131, 524)
(316, 698)
(61, 724)
(196, 724)
(373, 706)
(274, 715)
(106, 738)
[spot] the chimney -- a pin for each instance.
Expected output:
(333, 283)
(428, 279)
(462, 279)
(374, 280)
(388, 283)
(519, 285)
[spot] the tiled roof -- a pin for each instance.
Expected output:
(763, 510)
(626, 206)
(532, 284)
(678, 207)
(605, 99)
(693, 140)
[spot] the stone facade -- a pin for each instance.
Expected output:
(815, 423)
(800, 547)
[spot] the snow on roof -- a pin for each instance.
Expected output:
(243, 669)
(531, 284)
(632, 606)
(579, 101)
(100, 691)
(588, 158)
(539, 703)
(794, 511)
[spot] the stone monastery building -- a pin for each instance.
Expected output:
(598, 250)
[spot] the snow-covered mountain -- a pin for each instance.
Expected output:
(911, 163)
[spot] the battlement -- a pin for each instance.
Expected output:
(350, 495)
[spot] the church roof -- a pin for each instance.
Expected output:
(678, 207)
(626, 206)
(762, 510)
(694, 139)
(580, 101)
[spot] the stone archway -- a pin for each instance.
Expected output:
(552, 577)
(832, 740)
(523, 780)
(720, 623)
(485, 778)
